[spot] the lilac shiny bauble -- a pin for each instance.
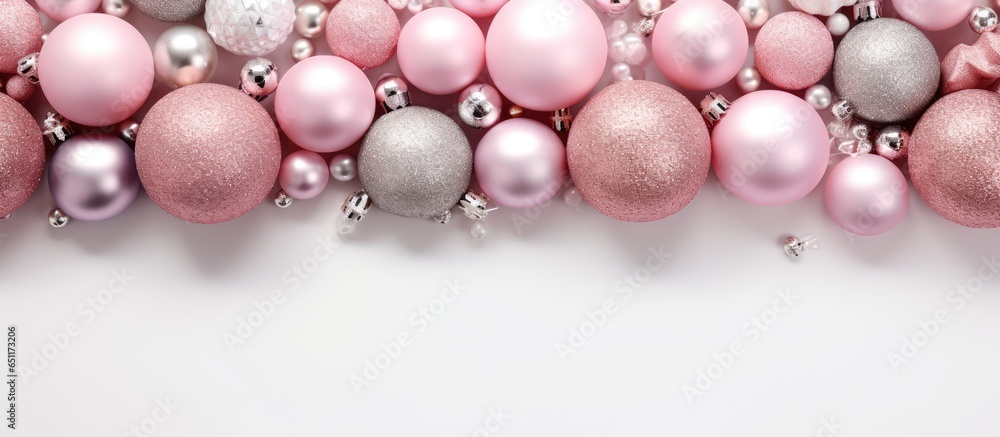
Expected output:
(546, 55)
(324, 104)
(364, 32)
(92, 177)
(207, 153)
(22, 155)
(20, 33)
(638, 151)
(441, 51)
(934, 15)
(866, 195)
(700, 44)
(955, 156)
(98, 70)
(520, 163)
(62, 10)
(303, 175)
(771, 148)
(479, 8)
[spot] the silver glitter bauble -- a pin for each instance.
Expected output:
(249, 27)
(415, 162)
(170, 10)
(184, 55)
(887, 69)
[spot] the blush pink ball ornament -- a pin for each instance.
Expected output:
(934, 14)
(866, 195)
(770, 148)
(20, 33)
(62, 10)
(793, 50)
(479, 8)
(92, 177)
(441, 51)
(546, 55)
(520, 163)
(324, 104)
(303, 175)
(98, 70)
(700, 44)
(207, 153)
(22, 155)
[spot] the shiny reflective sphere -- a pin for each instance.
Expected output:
(184, 55)
(302, 49)
(480, 106)
(93, 177)
(983, 19)
(310, 18)
(259, 78)
(343, 167)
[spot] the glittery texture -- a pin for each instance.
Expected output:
(793, 50)
(888, 69)
(170, 10)
(20, 89)
(22, 155)
(638, 151)
(821, 7)
(955, 158)
(976, 66)
(249, 27)
(20, 33)
(364, 32)
(207, 153)
(415, 162)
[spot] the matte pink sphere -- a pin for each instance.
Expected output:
(20, 33)
(324, 104)
(771, 148)
(303, 175)
(479, 8)
(441, 51)
(793, 51)
(96, 69)
(934, 14)
(364, 32)
(22, 155)
(866, 195)
(700, 44)
(520, 163)
(546, 55)
(62, 10)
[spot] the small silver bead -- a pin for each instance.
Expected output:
(892, 143)
(842, 110)
(283, 200)
(56, 128)
(343, 167)
(58, 219)
(302, 49)
(819, 96)
(443, 218)
(649, 8)
(479, 229)
(561, 119)
(27, 67)
(259, 78)
(795, 247)
(184, 55)
(480, 106)
(392, 93)
(860, 130)
(118, 8)
(310, 18)
(356, 207)
(754, 12)
(983, 19)
(128, 130)
(748, 80)
(838, 24)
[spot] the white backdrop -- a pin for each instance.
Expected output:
(567, 324)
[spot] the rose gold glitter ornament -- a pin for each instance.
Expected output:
(22, 155)
(20, 33)
(364, 32)
(793, 50)
(20, 88)
(639, 151)
(955, 156)
(207, 153)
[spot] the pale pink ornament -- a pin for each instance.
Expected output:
(793, 50)
(22, 155)
(364, 32)
(97, 69)
(479, 8)
(934, 15)
(520, 163)
(303, 175)
(700, 44)
(441, 51)
(770, 148)
(62, 10)
(866, 195)
(20, 33)
(324, 104)
(546, 55)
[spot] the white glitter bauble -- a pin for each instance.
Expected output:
(249, 27)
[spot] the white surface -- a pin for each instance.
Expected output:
(825, 358)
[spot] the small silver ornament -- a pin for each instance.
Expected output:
(27, 67)
(480, 106)
(343, 167)
(612, 8)
(561, 119)
(645, 26)
(983, 19)
(474, 205)
(354, 209)
(748, 80)
(128, 131)
(283, 200)
(310, 18)
(184, 55)
(714, 107)
(754, 12)
(838, 24)
(867, 10)
(302, 49)
(819, 97)
(443, 218)
(795, 247)
(392, 93)
(56, 128)
(118, 8)
(842, 110)
(892, 143)
(259, 78)
(479, 230)
(58, 218)
(649, 8)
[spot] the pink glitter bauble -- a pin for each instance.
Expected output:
(364, 32)
(22, 155)
(20, 89)
(441, 51)
(866, 195)
(934, 15)
(955, 158)
(207, 153)
(638, 151)
(793, 50)
(20, 33)
(700, 44)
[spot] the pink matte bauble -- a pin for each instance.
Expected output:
(700, 44)
(934, 14)
(22, 155)
(866, 195)
(95, 69)
(546, 55)
(793, 50)
(303, 175)
(520, 163)
(324, 104)
(441, 51)
(479, 8)
(771, 148)
(20, 33)
(62, 10)
(207, 153)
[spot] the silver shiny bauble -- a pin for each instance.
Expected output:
(118, 8)
(128, 130)
(819, 97)
(649, 7)
(838, 24)
(310, 18)
(343, 167)
(392, 93)
(184, 55)
(415, 162)
(748, 80)
(892, 143)
(480, 106)
(170, 10)
(302, 49)
(754, 12)
(259, 78)
(983, 19)
(887, 69)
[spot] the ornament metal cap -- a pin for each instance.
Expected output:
(392, 93)
(474, 206)
(794, 247)
(867, 10)
(356, 206)
(714, 107)
(27, 67)
(56, 128)
(58, 218)
(561, 120)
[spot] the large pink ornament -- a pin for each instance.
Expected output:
(700, 44)
(866, 195)
(96, 69)
(954, 158)
(441, 51)
(520, 163)
(479, 8)
(770, 148)
(793, 50)
(934, 14)
(20, 33)
(22, 155)
(364, 32)
(207, 153)
(303, 175)
(62, 10)
(546, 55)
(324, 104)
(638, 151)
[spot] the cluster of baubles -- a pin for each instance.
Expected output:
(637, 151)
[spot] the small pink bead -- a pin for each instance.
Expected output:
(479, 8)
(700, 44)
(934, 15)
(867, 195)
(520, 163)
(303, 175)
(62, 10)
(20, 89)
(441, 51)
